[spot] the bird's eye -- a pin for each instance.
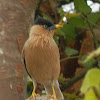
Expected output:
(45, 26)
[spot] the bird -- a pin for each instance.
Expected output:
(42, 59)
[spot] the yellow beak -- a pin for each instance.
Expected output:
(59, 26)
(56, 26)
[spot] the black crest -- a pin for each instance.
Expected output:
(41, 21)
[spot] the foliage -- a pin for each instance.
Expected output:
(95, 53)
(72, 96)
(90, 95)
(56, 40)
(29, 86)
(78, 22)
(89, 63)
(69, 30)
(82, 7)
(62, 78)
(61, 12)
(93, 17)
(70, 52)
(91, 85)
(70, 15)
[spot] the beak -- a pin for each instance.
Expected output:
(56, 26)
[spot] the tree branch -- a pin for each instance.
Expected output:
(68, 58)
(67, 84)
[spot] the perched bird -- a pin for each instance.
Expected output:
(41, 57)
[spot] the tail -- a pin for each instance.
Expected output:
(49, 91)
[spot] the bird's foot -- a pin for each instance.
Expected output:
(34, 95)
(52, 96)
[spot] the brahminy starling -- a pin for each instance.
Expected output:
(41, 57)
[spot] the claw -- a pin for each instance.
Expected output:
(54, 94)
(34, 95)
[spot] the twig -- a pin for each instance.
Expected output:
(91, 22)
(68, 58)
(94, 37)
(67, 84)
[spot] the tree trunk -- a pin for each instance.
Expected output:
(16, 17)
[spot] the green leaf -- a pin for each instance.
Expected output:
(61, 11)
(70, 51)
(94, 17)
(62, 78)
(56, 40)
(67, 0)
(69, 40)
(92, 79)
(97, 88)
(89, 63)
(60, 32)
(90, 95)
(78, 22)
(69, 30)
(82, 7)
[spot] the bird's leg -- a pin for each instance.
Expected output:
(54, 94)
(50, 91)
(33, 93)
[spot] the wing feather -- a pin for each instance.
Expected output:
(23, 56)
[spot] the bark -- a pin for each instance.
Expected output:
(16, 17)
